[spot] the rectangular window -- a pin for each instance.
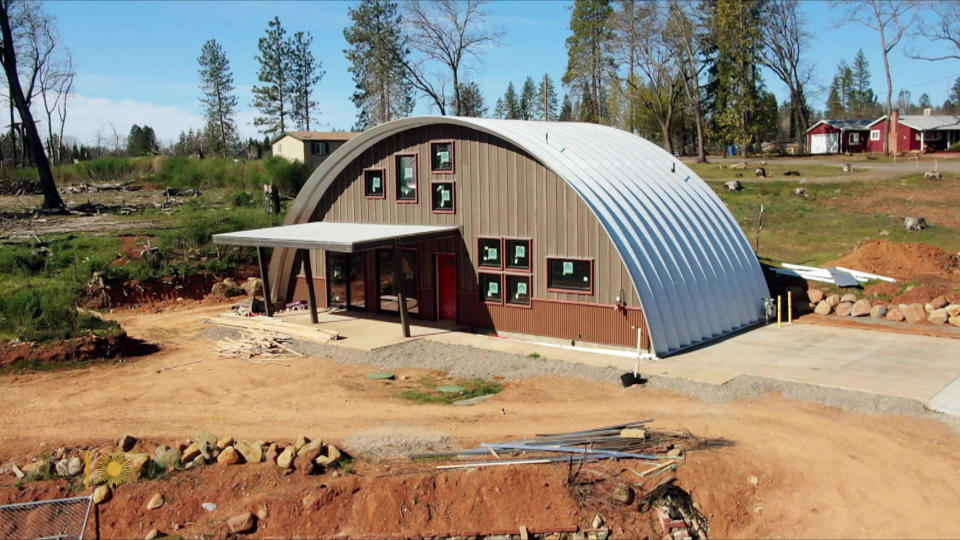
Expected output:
(874, 134)
(517, 254)
(441, 156)
(854, 138)
(570, 275)
(490, 253)
(491, 288)
(519, 290)
(373, 184)
(407, 178)
(931, 136)
(442, 200)
(319, 148)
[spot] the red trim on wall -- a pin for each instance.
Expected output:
(506, 277)
(529, 269)
(480, 264)
(416, 178)
(453, 156)
(453, 194)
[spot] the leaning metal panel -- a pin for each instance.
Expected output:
(42, 520)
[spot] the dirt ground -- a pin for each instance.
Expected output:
(822, 472)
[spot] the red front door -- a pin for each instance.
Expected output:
(447, 286)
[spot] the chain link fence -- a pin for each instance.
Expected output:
(57, 518)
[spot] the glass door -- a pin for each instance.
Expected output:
(345, 283)
(387, 284)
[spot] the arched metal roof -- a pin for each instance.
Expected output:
(694, 270)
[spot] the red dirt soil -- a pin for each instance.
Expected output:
(912, 261)
(386, 500)
(82, 348)
(156, 295)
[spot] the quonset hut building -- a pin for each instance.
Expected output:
(560, 229)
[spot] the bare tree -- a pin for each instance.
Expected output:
(445, 32)
(8, 56)
(784, 39)
(945, 28)
(889, 18)
(687, 40)
(55, 81)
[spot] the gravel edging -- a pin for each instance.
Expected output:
(470, 362)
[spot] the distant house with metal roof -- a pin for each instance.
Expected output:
(838, 136)
(916, 132)
(310, 147)
(560, 229)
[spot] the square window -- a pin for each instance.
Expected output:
(441, 156)
(373, 184)
(519, 290)
(442, 198)
(874, 134)
(407, 178)
(490, 253)
(570, 275)
(517, 254)
(491, 288)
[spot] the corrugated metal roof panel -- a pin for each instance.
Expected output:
(697, 277)
(935, 122)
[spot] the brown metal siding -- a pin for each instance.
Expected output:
(501, 192)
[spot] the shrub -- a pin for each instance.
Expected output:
(289, 176)
(240, 198)
(44, 313)
(955, 147)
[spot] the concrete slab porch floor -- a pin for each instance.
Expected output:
(923, 368)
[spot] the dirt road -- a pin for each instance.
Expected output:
(821, 472)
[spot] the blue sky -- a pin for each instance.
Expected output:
(137, 61)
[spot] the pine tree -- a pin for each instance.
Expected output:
(509, 105)
(844, 97)
(378, 49)
(305, 73)
(546, 100)
(471, 101)
(864, 102)
(566, 110)
(735, 88)
(272, 98)
(219, 101)
(588, 60)
(528, 100)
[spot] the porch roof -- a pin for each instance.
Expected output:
(333, 236)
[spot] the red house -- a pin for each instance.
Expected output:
(915, 133)
(838, 136)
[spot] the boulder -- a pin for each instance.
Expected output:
(243, 523)
(166, 457)
(41, 467)
(623, 494)
(332, 455)
(800, 192)
(936, 303)
(205, 436)
(101, 494)
(127, 442)
(251, 452)
(209, 506)
(273, 452)
(844, 308)
(933, 175)
(938, 316)
(155, 502)
(285, 459)
(878, 312)
(69, 467)
(310, 447)
(226, 289)
(138, 463)
(953, 310)
(913, 313)
(914, 223)
(791, 173)
(301, 442)
(815, 295)
(849, 298)
(954, 321)
(229, 456)
(733, 185)
(190, 452)
(833, 300)
(253, 286)
(761, 172)
(224, 442)
(305, 464)
(894, 314)
(154, 533)
(861, 308)
(823, 308)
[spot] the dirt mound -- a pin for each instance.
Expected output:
(99, 295)
(77, 349)
(902, 260)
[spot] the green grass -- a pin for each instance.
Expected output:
(472, 388)
(825, 225)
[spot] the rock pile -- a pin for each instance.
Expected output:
(937, 311)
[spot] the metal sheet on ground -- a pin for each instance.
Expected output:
(843, 279)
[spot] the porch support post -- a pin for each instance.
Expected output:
(398, 282)
(265, 276)
(311, 293)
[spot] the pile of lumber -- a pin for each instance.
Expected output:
(254, 344)
(632, 440)
(277, 326)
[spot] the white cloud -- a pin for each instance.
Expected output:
(89, 117)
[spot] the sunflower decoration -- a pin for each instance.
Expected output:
(113, 468)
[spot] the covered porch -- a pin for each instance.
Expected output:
(333, 237)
